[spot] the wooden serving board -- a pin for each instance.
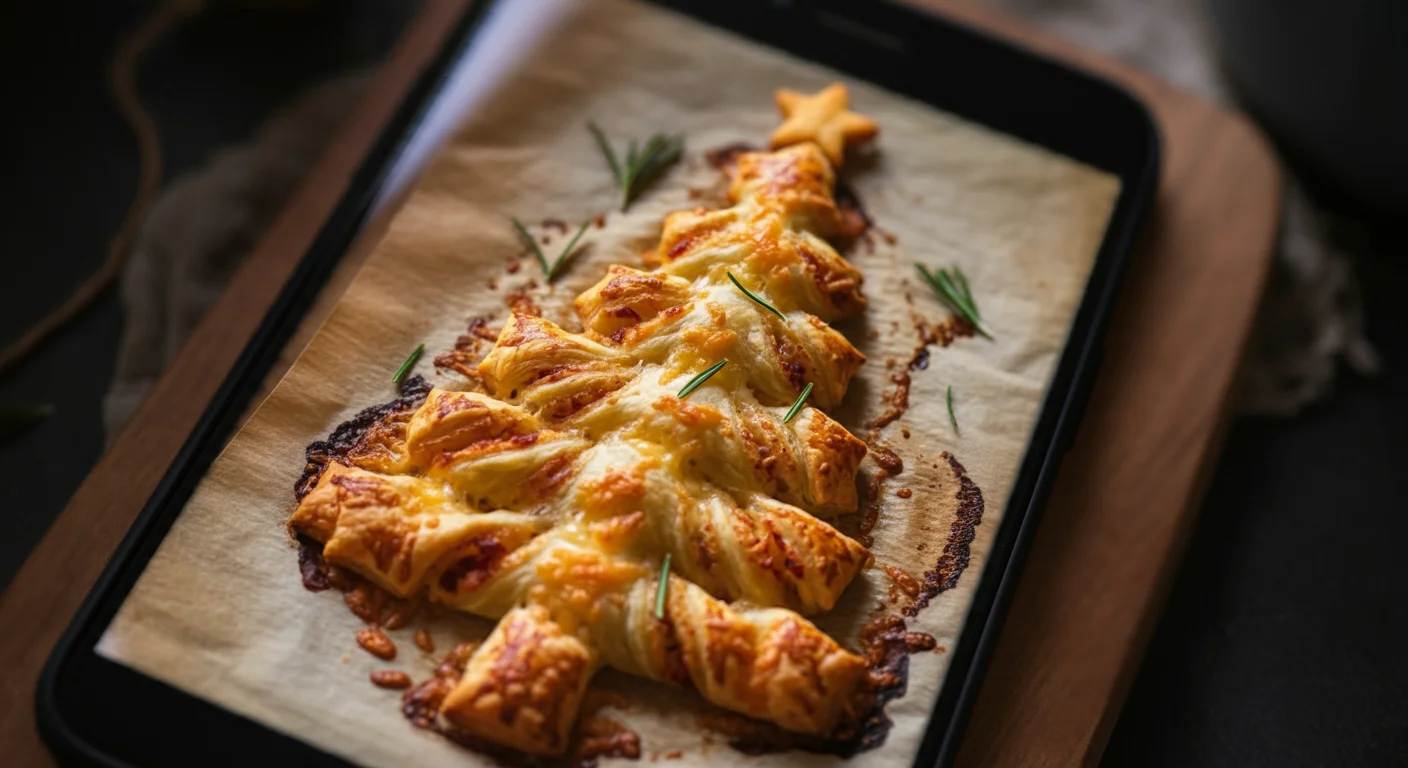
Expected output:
(1109, 541)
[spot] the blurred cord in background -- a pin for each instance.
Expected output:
(73, 169)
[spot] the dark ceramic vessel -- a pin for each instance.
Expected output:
(1329, 80)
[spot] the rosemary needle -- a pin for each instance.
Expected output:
(951, 418)
(15, 419)
(963, 283)
(549, 270)
(663, 588)
(605, 147)
(561, 257)
(532, 244)
(757, 299)
(797, 406)
(410, 363)
(703, 376)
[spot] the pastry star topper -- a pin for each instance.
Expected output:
(824, 118)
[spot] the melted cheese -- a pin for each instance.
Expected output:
(551, 499)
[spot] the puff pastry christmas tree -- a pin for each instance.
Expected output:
(609, 515)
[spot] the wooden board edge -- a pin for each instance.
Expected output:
(57, 575)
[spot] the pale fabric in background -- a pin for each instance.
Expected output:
(203, 226)
(1311, 318)
(208, 220)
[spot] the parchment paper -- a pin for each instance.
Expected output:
(220, 610)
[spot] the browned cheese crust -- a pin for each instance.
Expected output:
(549, 499)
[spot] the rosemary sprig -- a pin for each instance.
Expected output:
(703, 376)
(549, 270)
(797, 406)
(410, 363)
(643, 163)
(951, 418)
(15, 419)
(663, 588)
(755, 297)
(952, 287)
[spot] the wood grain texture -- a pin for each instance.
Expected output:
(1110, 538)
(1129, 490)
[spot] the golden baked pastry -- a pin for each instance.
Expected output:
(552, 499)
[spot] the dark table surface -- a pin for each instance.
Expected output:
(1284, 640)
